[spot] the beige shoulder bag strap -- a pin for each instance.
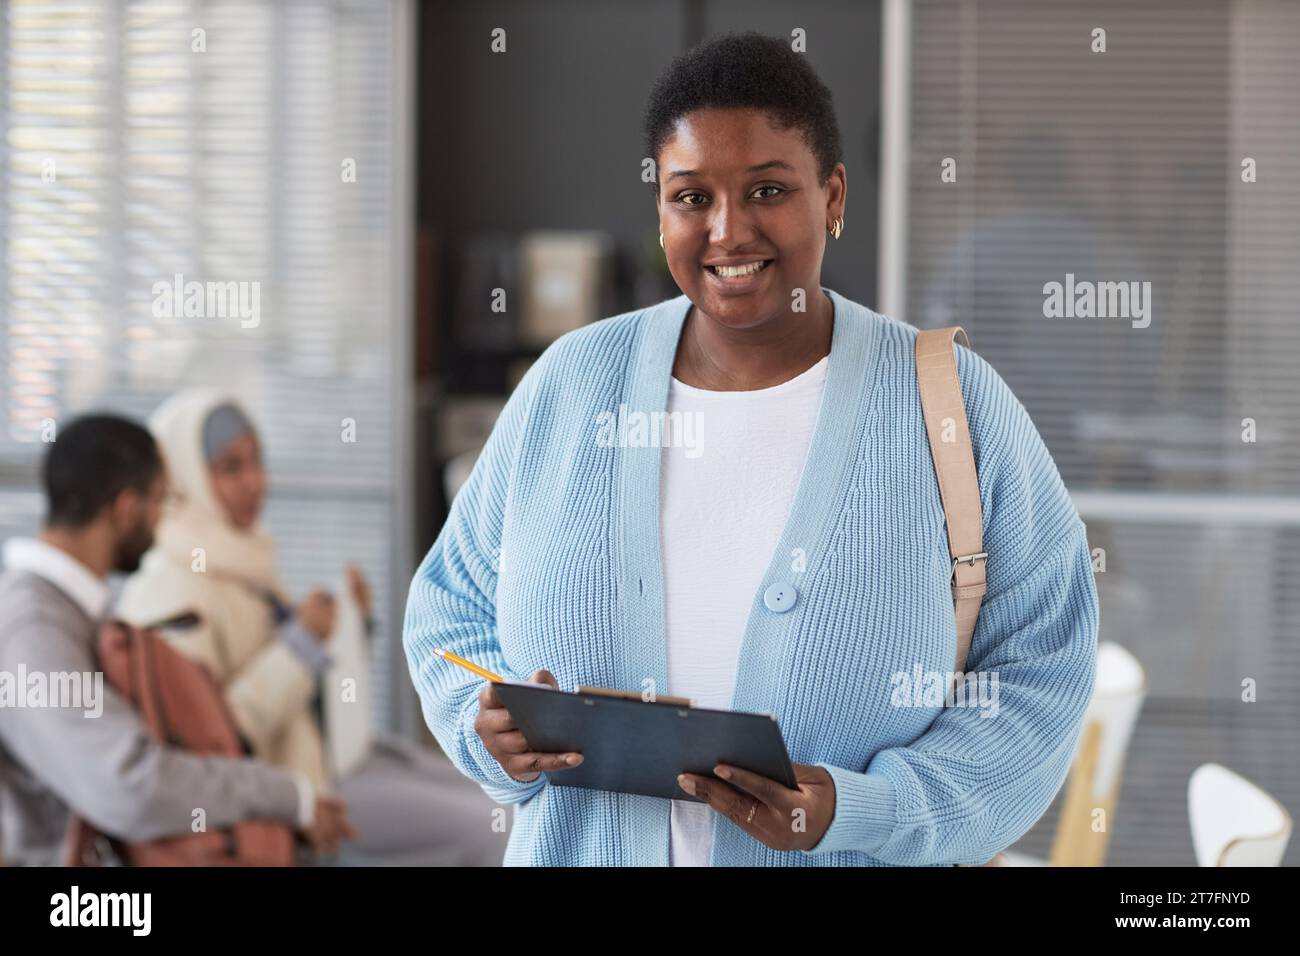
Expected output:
(954, 465)
(959, 489)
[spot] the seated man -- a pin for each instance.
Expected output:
(104, 480)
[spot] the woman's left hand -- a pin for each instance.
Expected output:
(770, 812)
(360, 589)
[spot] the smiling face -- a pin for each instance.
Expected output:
(744, 214)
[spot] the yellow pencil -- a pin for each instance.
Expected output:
(468, 665)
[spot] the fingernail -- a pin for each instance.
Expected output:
(573, 759)
(686, 783)
(723, 772)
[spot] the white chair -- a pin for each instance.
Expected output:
(1098, 764)
(456, 472)
(1234, 822)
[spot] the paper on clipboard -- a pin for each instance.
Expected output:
(349, 724)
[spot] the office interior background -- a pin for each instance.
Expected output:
(521, 171)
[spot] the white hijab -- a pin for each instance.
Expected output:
(198, 520)
(271, 702)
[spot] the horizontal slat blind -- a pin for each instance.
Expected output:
(222, 166)
(1126, 166)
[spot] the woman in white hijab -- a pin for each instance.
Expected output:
(212, 574)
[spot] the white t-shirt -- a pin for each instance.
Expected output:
(725, 495)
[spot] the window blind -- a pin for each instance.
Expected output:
(1126, 166)
(216, 142)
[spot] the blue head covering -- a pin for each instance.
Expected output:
(223, 425)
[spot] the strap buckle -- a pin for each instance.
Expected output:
(968, 559)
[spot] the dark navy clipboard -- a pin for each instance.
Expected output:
(632, 746)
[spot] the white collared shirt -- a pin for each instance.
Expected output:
(89, 591)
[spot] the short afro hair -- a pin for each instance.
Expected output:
(745, 70)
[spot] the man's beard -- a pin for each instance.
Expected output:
(132, 548)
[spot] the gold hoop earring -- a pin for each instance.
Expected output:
(661, 242)
(837, 226)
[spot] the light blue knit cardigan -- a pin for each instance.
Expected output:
(550, 559)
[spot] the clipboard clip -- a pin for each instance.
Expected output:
(632, 695)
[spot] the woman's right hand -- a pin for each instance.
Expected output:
(505, 741)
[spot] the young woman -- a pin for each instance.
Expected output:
(791, 560)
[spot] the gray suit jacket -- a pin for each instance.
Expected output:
(106, 767)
